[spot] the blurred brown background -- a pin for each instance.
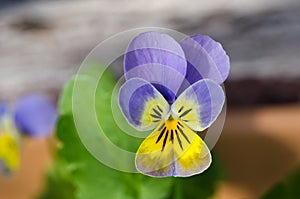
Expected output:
(42, 43)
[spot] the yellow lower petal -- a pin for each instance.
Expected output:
(173, 149)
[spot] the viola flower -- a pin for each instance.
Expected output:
(173, 88)
(33, 116)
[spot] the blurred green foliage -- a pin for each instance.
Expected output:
(77, 174)
(59, 182)
(288, 189)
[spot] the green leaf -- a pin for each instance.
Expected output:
(288, 189)
(65, 101)
(91, 73)
(160, 188)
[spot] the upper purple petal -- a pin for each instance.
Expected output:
(206, 59)
(157, 58)
(35, 115)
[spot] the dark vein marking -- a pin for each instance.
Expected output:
(180, 109)
(184, 135)
(185, 120)
(165, 141)
(180, 125)
(160, 128)
(157, 113)
(155, 120)
(178, 138)
(172, 137)
(155, 116)
(160, 135)
(185, 113)
(159, 108)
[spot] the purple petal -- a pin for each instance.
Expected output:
(157, 58)
(35, 115)
(169, 87)
(3, 109)
(206, 59)
(142, 105)
(200, 104)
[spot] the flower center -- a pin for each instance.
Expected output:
(172, 129)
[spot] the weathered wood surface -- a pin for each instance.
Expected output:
(43, 43)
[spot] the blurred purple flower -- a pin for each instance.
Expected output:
(35, 115)
(3, 108)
